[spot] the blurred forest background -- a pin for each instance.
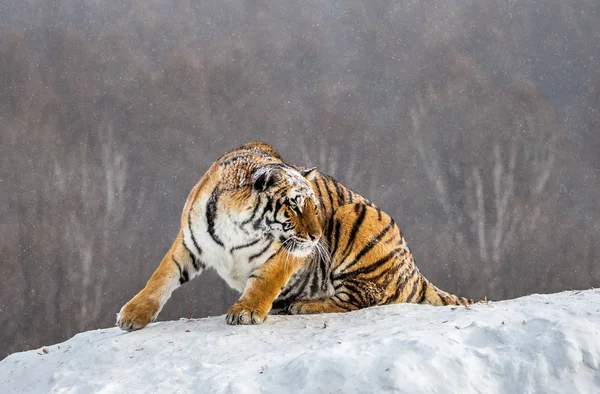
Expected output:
(475, 124)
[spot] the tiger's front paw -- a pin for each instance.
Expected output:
(137, 313)
(242, 314)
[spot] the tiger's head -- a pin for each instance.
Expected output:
(290, 206)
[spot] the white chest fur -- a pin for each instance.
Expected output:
(236, 252)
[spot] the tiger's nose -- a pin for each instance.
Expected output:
(314, 237)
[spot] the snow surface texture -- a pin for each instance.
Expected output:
(540, 343)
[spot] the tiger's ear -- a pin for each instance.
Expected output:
(309, 173)
(264, 177)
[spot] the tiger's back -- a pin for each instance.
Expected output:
(285, 237)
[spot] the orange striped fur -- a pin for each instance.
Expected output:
(287, 238)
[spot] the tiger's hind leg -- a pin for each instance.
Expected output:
(333, 304)
(366, 261)
(351, 295)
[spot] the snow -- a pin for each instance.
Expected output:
(539, 343)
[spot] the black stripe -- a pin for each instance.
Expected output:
(177, 264)
(304, 284)
(315, 283)
(183, 274)
(285, 225)
(251, 243)
(234, 159)
(350, 196)
(356, 293)
(442, 298)
(278, 206)
(414, 289)
(195, 262)
(278, 165)
(372, 242)
(198, 248)
(337, 284)
(338, 302)
(268, 208)
(268, 205)
(379, 214)
(375, 278)
(329, 231)
(300, 288)
(211, 215)
(329, 194)
(263, 251)
(256, 207)
(368, 268)
(285, 293)
(275, 253)
(339, 191)
(392, 239)
(289, 289)
(319, 191)
(421, 297)
(198, 264)
(402, 285)
(258, 221)
(357, 223)
(336, 237)
(323, 266)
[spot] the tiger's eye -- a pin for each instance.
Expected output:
(294, 207)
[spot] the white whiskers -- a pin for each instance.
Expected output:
(321, 251)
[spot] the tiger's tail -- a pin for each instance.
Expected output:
(437, 297)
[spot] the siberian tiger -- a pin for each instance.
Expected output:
(287, 238)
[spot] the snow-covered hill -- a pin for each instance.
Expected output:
(540, 343)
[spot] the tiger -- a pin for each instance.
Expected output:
(290, 240)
